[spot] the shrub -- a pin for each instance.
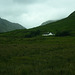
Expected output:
(32, 34)
(63, 33)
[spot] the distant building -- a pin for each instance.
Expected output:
(48, 34)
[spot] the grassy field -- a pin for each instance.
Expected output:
(37, 56)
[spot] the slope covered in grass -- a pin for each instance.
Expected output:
(6, 26)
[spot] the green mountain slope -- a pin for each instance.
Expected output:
(6, 26)
(67, 24)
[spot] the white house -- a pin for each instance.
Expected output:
(48, 34)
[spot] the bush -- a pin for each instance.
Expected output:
(63, 33)
(32, 34)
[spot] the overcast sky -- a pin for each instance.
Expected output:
(31, 13)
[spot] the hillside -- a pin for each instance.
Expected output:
(47, 22)
(6, 26)
(72, 15)
(66, 24)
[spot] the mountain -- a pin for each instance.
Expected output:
(66, 24)
(72, 14)
(6, 26)
(47, 22)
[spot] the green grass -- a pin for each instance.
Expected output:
(37, 56)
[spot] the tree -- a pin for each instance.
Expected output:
(33, 33)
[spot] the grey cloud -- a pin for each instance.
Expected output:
(27, 1)
(10, 9)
